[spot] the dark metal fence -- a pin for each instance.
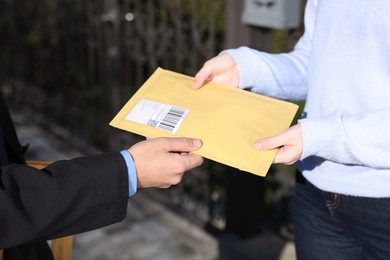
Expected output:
(93, 55)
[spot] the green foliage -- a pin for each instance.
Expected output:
(279, 41)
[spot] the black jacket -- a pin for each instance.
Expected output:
(65, 198)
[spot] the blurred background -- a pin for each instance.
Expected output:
(68, 66)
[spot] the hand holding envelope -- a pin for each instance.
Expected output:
(226, 119)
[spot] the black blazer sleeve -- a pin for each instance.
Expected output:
(67, 197)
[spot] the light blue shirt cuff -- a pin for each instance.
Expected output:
(131, 171)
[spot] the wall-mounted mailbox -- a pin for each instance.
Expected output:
(275, 14)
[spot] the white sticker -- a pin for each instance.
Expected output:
(158, 115)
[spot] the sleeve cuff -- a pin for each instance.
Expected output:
(317, 136)
(131, 171)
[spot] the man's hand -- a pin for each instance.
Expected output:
(162, 162)
(220, 69)
(289, 142)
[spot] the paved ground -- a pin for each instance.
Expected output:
(150, 231)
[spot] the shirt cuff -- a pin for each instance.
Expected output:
(131, 171)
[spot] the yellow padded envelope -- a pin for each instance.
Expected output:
(227, 120)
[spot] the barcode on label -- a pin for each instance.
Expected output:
(158, 115)
(172, 119)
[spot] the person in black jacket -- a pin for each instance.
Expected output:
(73, 196)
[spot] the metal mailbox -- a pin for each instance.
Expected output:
(275, 14)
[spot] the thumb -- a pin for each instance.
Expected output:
(270, 143)
(185, 144)
(198, 83)
(204, 75)
(201, 78)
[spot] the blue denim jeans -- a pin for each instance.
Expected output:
(334, 226)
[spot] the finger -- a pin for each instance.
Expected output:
(286, 155)
(192, 161)
(281, 156)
